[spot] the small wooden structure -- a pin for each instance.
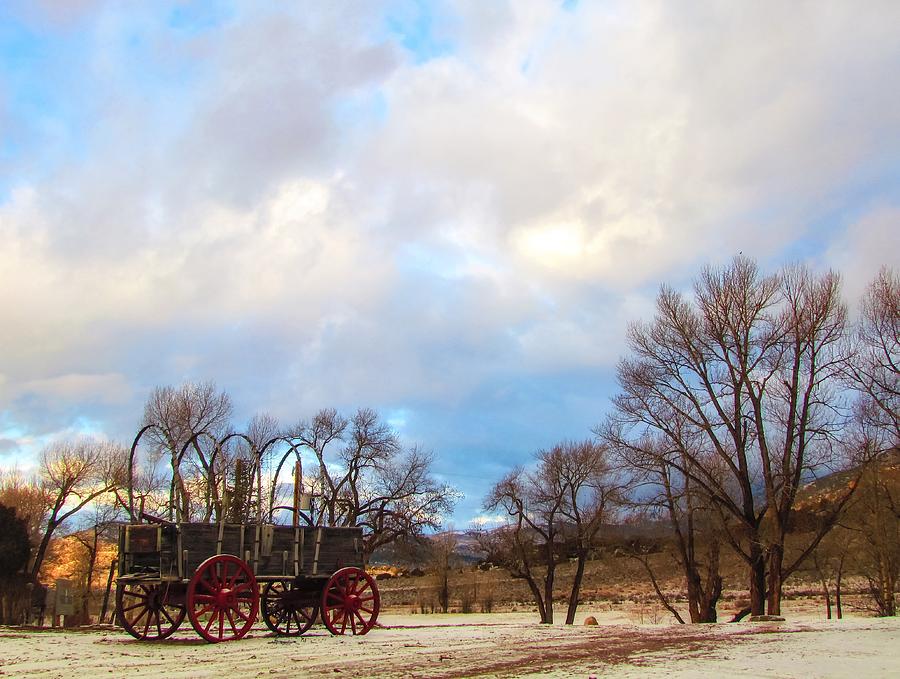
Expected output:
(221, 576)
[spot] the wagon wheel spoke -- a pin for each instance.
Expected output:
(210, 622)
(204, 598)
(225, 578)
(240, 613)
(131, 608)
(144, 612)
(231, 621)
(168, 617)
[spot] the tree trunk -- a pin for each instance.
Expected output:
(109, 581)
(709, 597)
(444, 593)
(710, 600)
(92, 561)
(837, 592)
(827, 594)
(757, 580)
(692, 580)
(538, 598)
(576, 589)
(548, 593)
(42, 549)
(776, 562)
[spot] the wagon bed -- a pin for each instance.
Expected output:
(273, 551)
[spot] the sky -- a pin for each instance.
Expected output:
(446, 211)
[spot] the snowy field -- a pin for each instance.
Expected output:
(499, 645)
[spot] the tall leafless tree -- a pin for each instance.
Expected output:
(554, 510)
(753, 364)
(527, 546)
(188, 421)
(590, 490)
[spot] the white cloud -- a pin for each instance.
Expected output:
(290, 204)
(868, 243)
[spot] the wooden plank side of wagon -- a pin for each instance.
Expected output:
(320, 551)
(335, 549)
(310, 551)
(276, 553)
(199, 541)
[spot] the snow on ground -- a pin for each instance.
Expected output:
(498, 645)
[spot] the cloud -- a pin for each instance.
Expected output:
(869, 242)
(451, 215)
(110, 388)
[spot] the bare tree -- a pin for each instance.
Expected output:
(529, 541)
(589, 489)
(875, 368)
(555, 510)
(752, 365)
(875, 516)
(442, 559)
(98, 528)
(74, 473)
(661, 490)
(366, 478)
(829, 563)
(189, 419)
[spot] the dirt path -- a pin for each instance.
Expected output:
(466, 646)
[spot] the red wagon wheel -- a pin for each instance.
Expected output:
(222, 598)
(350, 602)
(281, 612)
(145, 612)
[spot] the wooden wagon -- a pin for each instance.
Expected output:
(222, 576)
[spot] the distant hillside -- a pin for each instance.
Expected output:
(415, 554)
(829, 488)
